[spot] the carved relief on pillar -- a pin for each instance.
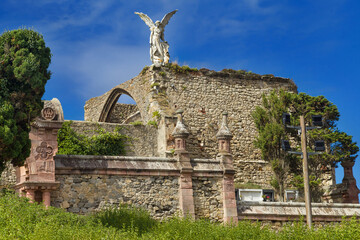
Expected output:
(44, 166)
(48, 113)
(43, 157)
(44, 151)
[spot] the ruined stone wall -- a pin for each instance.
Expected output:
(121, 112)
(204, 96)
(137, 88)
(8, 177)
(86, 193)
(208, 198)
(143, 138)
(257, 172)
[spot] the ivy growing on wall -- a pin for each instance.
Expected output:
(101, 143)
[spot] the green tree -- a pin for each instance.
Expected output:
(343, 148)
(271, 130)
(24, 62)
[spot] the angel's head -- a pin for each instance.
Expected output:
(157, 23)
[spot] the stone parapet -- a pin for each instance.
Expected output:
(86, 193)
(281, 211)
(115, 165)
(122, 165)
(87, 184)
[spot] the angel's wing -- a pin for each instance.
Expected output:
(146, 19)
(167, 17)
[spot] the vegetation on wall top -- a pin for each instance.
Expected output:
(241, 74)
(101, 143)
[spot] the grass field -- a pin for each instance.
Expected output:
(20, 219)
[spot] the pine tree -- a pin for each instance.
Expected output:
(24, 62)
(268, 121)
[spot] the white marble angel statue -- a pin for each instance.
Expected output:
(159, 48)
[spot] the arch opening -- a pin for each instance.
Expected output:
(121, 108)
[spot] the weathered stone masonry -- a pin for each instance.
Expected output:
(204, 95)
(163, 186)
(207, 197)
(142, 138)
(87, 193)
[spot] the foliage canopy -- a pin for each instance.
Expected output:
(102, 143)
(268, 121)
(24, 62)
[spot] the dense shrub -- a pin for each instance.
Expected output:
(101, 143)
(127, 217)
(20, 219)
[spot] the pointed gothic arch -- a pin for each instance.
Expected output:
(111, 102)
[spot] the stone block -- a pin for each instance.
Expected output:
(186, 192)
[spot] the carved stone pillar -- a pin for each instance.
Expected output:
(352, 192)
(38, 173)
(229, 201)
(186, 197)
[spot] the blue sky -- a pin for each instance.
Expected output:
(99, 44)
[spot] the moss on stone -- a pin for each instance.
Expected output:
(144, 70)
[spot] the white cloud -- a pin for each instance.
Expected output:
(259, 7)
(97, 67)
(84, 13)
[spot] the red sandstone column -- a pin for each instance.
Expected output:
(229, 201)
(46, 196)
(352, 190)
(38, 171)
(30, 194)
(186, 197)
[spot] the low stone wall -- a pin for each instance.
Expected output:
(8, 177)
(284, 212)
(208, 198)
(87, 193)
(89, 183)
(143, 138)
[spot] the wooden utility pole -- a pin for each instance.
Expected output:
(306, 172)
